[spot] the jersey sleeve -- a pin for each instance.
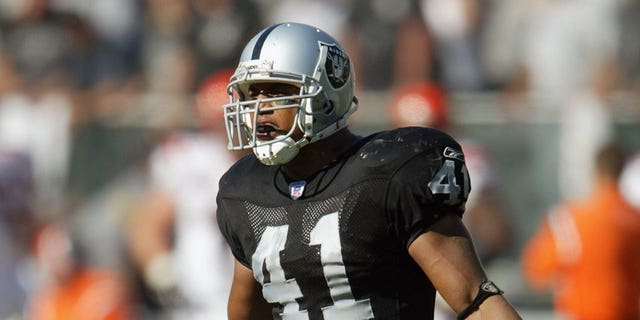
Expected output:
(226, 226)
(429, 185)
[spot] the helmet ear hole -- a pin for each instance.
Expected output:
(328, 107)
(330, 103)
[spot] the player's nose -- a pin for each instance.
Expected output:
(264, 106)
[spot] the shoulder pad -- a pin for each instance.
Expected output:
(247, 168)
(394, 147)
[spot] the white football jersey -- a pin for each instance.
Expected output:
(187, 167)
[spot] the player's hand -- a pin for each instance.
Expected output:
(160, 279)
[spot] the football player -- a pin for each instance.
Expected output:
(172, 235)
(325, 224)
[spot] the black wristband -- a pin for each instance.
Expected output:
(487, 289)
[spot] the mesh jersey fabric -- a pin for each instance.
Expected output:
(340, 250)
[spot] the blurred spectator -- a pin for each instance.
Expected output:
(221, 29)
(9, 78)
(16, 197)
(35, 41)
(117, 27)
(35, 119)
(371, 40)
(586, 123)
(414, 51)
(419, 104)
(454, 25)
(564, 42)
(630, 181)
(173, 238)
(590, 243)
(501, 42)
(93, 60)
(168, 27)
(13, 292)
(629, 50)
(330, 16)
(71, 289)
(490, 224)
(169, 78)
(570, 71)
(17, 226)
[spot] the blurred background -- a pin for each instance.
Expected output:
(91, 92)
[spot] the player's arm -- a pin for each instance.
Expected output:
(245, 300)
(446, 255)
(150, 232)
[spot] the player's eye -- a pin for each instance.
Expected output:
(253, 92)
(274, 91)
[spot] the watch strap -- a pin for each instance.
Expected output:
(486, 290)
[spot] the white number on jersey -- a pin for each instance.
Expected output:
(284, 291)
(445, 182)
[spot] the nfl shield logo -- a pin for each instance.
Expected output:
(296, 189)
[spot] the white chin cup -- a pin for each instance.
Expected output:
(279, 152)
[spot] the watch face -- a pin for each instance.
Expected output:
(489, 287)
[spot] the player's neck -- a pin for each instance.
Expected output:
(317, 155)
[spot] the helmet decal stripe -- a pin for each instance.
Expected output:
(260, 42)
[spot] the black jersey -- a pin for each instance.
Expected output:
(339, 250)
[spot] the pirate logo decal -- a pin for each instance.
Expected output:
(337, 65)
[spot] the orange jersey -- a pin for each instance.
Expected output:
(88, 295)
(590, 254)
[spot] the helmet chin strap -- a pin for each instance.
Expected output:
(279, 152)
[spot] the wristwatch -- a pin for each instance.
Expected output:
(487, 289)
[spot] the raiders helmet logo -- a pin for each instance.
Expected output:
(337, 66)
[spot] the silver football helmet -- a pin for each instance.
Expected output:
(299, 55)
